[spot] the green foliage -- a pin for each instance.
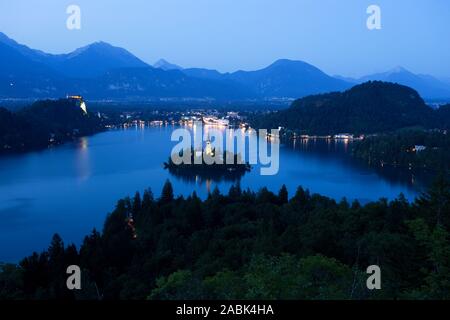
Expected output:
(436, 241)
(287, 277)
(264, 278)
(177, 285)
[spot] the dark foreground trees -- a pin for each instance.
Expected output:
(248, 245)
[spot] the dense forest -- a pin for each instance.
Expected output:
(44, 123)
(410, 148)
(371, 107)
(248, 245)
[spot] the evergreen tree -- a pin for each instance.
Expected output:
(167, 193)
(137, 203)
(283, 195)
(147, 199)
(436, 201)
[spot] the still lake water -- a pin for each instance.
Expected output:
(70, 189)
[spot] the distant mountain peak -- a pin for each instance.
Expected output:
(295, 67)
(426, 85)
(100, 45)
(288, 62)
(399, 69)
(96, 46)
(166, 65)
(283, 61)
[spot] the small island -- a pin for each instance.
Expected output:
(199, 169)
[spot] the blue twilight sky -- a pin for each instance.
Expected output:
(246, 34)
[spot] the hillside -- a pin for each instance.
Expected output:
(44, 123)
(18, 134)
(19, 74)
(367, 108)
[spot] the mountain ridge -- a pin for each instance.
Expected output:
(166, 65)
(428, 86)
(36, 74)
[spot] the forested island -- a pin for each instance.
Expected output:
(216, 171)
(45, 123)
(247, 245)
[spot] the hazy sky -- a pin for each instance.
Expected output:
(246, 34)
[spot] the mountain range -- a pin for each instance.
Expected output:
(283, 78)
(426, 85)
(103, 71)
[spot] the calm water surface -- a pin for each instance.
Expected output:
(71, 188)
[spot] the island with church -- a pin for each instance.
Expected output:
(197, 168)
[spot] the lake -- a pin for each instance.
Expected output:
(71, 188)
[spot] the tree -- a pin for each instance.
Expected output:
(137, 203)
(147, 199)
(225, 285)
(301, 197)
(235, 191)
(167, 193)
(324, 278)
(36, 273)
(56, 249)
(265, 196)
(283, 195)
(193, 212)
(58, 260)
(436, 242)
(436, 202)
(92, 256)
(178, 285)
